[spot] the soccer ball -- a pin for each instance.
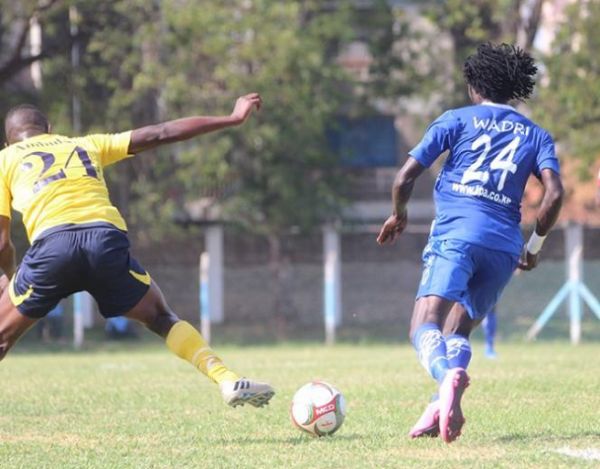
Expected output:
(318, 408)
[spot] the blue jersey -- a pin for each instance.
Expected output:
(492, 151)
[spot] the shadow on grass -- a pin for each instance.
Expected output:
(296, 440)
(531, 437)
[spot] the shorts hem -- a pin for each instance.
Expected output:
(433, 293)
(31, 314)
(460, 301)
(111, 313)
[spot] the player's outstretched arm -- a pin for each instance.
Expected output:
(598, 190)
(7, 250)
(401, 191)
(152, 136)
(546, 218)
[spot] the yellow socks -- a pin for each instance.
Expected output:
(186, 342)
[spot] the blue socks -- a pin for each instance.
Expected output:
(431, 349)
(458, 351)
(437, 353)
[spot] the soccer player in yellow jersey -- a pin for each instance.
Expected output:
(79, 239)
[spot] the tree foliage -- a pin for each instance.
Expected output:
(569, 103)
(280, 164)
(471, 23)
(148, 61)
(16, 20)
(15, 25)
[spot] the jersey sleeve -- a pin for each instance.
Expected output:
(546, 157)
(438, 138)
(111, 147)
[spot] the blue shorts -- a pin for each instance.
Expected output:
(469, 274)
(70, 258)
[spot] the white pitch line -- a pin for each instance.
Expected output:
(589, 454)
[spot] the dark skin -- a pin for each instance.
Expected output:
(450, 316)
(152, 310)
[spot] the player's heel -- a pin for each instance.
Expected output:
(451, 391)
(428, 424)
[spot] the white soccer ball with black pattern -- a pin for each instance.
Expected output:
(318, 408)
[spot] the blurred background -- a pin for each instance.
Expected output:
(268, 231)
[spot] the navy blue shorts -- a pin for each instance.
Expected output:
(471, 275)
(70, 258)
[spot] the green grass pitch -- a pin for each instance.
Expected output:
(139, 406)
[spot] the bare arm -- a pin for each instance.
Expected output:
(551, 203)
(401, 191)
(598, 190)
(547, 213)
(7, 249)
(404, 183)
(152, 136)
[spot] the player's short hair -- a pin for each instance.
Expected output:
(500, 72)
(27, 115)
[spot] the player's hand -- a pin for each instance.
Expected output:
(244, 105)
(528, 261)
(392, 228)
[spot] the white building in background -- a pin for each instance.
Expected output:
(553, 15)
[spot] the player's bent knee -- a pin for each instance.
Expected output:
(154, 312)
(162, 322)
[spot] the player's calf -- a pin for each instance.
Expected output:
(186, 342)
(13, 324)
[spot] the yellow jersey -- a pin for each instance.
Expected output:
(55, 180)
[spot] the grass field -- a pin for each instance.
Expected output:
(139, 406)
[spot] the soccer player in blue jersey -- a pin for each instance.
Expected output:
(475, 241)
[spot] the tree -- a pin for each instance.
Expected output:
(279, 167)
(471, 23)
(409, 59)
(148, 61)
(16, 20)
(418, 53)
(569, 103)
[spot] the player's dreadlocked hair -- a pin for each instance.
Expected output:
(501, 72)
